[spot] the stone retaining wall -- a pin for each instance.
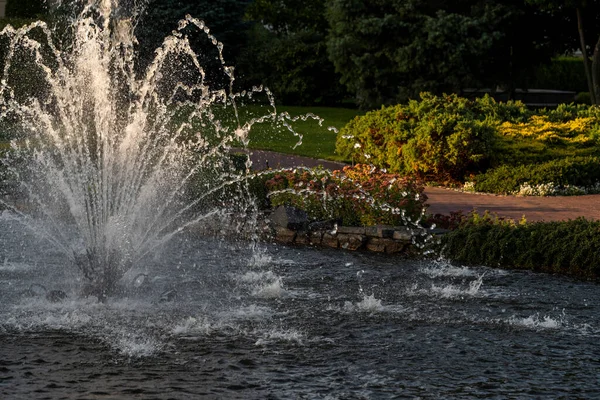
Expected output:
(381, 239)
(288, 225)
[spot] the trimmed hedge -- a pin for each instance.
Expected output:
(563, 73)
(568, 248)
(578, 171)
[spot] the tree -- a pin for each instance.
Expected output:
(25, 8)
(224, 18)
(287, 52)
(388, 50)
(586, 15)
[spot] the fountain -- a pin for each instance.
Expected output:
(127, 194)
(105, 156)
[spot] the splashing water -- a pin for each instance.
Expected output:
(104, 156)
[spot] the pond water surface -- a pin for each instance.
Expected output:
(219, 320)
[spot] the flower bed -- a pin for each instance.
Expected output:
(355, 196)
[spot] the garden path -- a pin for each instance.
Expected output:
(444, 201)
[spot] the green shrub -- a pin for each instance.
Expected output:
(437, 138)
(567, 112)
(568, 248)
(578, 171)
(448, 139)
(563, 73)
(583, 98)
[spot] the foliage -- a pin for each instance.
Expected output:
(578, 131)
(294, 65)
(584, 18)
(437, 138)
(561, 73)
(553, 247)
(356, 196)
(25, 8)
(387, 51)
(506, 179)
(583, 98)
(449, 139)
(223, 17)
(286, 51)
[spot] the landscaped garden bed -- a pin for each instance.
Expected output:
(481, 145)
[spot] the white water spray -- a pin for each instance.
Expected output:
(104, 156)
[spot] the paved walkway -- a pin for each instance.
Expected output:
(444, 201)
(559, 208)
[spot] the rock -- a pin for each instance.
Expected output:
(403, 234)
(330, 240)
(376, 245)
(316, 237)
(302, 238)
(322, 225)
(351, 242)
(284, 235)
(438, 231)
(351, 230)
(290, 218)
(394, 246)
(380, 231)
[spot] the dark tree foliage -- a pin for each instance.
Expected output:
(223, 17)
(287, 52)
(25, 8)
(390, 50)
(582, 32)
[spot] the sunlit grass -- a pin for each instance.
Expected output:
(317, 140)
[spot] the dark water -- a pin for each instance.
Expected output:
(220, 321)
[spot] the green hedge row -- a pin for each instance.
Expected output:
(568, 248)
(583, 172)
(562, 73)
(438, 138)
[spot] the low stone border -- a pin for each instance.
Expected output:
(288, 225)
(379, 239)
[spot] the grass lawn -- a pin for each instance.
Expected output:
(317, 141)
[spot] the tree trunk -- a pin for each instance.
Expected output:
(596, 70)
(586, 59)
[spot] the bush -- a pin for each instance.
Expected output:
(583, 98)
(563, 73)
(448, 139)
(437, 138)
(568, 248)
(578, 171)
(355, 196)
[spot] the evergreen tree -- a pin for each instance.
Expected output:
(389, 50)
(287, 52)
